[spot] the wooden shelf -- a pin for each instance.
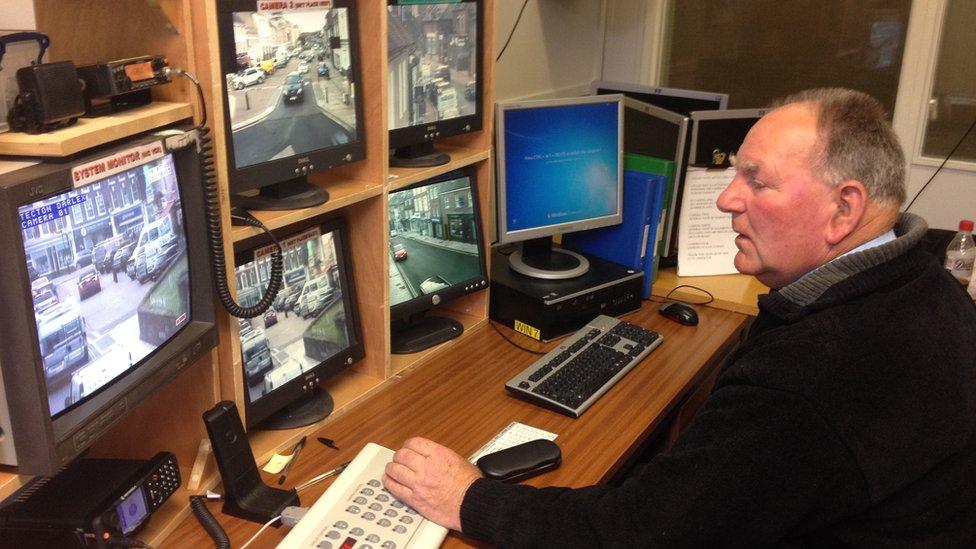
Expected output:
(460, 157)
(341, 194)
(736, 292)
(90, 132)
(401, 363)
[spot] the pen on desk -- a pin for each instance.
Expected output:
(322, 477)
(328, 442)
(294, 457)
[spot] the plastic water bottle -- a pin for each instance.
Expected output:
(961, 253)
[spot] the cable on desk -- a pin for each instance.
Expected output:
(205, 517)
(710, 299)
(258, 533)
(526, 349)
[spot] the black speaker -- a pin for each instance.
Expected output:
(49, 98)
(245, 494)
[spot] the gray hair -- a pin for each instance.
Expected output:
(857, 142)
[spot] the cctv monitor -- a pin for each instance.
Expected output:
(673, 99)
(560, 170)
(717, 135)
(311, 332)
(435, 76)
(292, 98)
(107, 270)
(436, 254)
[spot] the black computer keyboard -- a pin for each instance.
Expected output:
(575, 374)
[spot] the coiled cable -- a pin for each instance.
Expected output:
(200, 510)
(214, 229)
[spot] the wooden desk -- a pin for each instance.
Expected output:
(733, 292)
(459, 400)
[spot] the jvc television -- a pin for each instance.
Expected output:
(292, 98)
(436, 254)
(311, 332)
(435, 76)
(560, 170)
(107, 272)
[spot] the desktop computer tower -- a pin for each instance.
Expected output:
(546, 309)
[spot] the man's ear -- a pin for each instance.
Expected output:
(851, 199)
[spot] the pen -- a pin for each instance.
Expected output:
(328, 442)
(322, 477)
(294, 458)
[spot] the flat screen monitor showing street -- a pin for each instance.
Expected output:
(436, 254)
(292, 105)
(310, 333)
(435, 80)
(108, 274)
(560, 170)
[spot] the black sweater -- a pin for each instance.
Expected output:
(847, 416)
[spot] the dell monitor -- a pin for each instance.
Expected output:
(435, 82)
(560, 170)
(672, 99)
(292, 106)
(311, 332)
(107, 273)
(436, 254)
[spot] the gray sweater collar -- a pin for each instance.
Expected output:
(909, 230)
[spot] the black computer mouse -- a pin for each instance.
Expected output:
(680, 312)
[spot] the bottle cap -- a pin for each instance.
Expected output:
(966, 225)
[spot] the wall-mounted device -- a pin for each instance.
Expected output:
(91, 503)
(435, 76)
(124, 84)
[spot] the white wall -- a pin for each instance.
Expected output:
(556, 50)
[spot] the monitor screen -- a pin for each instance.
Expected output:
(653, 131)
(434, 75)
(109, 281)
(291, 99)
(312, 326)
(673, 99)
(436, 252)
(717, 135)
(560, 166)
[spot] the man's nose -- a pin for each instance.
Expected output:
(728, 201)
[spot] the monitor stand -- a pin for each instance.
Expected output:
(421, 332)
(312, 407)
(421, 155)
(287, 195)
(539, 259)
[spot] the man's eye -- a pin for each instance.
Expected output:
(756, 183)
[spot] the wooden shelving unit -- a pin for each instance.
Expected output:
(185, 31)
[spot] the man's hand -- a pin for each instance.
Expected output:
(432, 479)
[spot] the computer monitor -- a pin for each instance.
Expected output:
(436, 254)
(107, 276)
(672, 99)
(560, 170)
(717, 135)
(292, 106)
(311, 332)
(435, 76)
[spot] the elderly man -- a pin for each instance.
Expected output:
(848, 414)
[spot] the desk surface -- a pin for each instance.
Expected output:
(459, 400)
(733, 292)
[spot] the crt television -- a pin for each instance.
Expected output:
(560, 170)
(311, 332)
(98, 335)
(435, 75)
(436, 254)
(291, 103)
(673, 99)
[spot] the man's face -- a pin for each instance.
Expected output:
(780, 209)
